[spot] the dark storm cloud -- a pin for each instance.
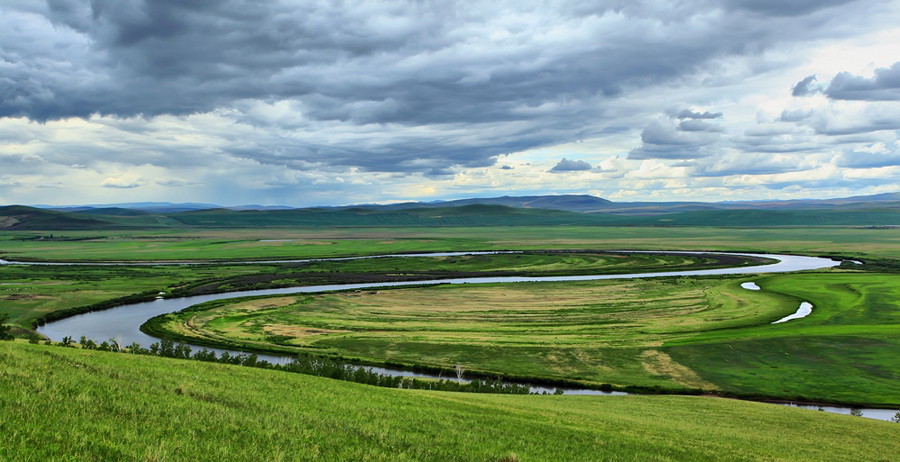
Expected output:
(884, 86)
(858, 127)
(806, 87)
(457, 70)
(692, 125)
(785, 8)
(690, 114)
(688, 139)
(566, 165)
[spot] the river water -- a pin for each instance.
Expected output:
(124, 322)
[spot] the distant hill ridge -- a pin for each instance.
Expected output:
(881, 209)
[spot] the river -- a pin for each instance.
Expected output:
(124, 322)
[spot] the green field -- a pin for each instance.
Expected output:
(675, 333)
(471, 215)
(289, 243)
(29, 292)
(66, 404)
(845, 350)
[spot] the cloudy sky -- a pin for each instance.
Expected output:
(334, 102)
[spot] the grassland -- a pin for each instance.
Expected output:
(28, 293)
(292, 243)
(845, 350)
(674, 333)
(66, 404)
(595, 332)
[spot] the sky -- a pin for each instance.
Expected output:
(305, 103)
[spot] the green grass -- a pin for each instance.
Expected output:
(594, 332)
(844, 351)
(67, 404)
(473, 215)
(29, 292)
(246, 244)
(675, 333)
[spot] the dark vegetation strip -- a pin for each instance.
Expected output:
(300, 364)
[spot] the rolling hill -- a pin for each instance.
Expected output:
(567, 210)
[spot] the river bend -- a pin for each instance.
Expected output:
(125, 321)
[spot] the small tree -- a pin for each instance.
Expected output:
(896, 418)
(117, 344)
(459, 371)
(4, 330)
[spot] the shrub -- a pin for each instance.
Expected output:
(4, 330)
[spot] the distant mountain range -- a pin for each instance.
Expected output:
(881, 209)
(570, 203)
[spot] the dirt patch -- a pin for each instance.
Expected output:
(659, 363)
(25, 297)
(8, 222)
(264, 303)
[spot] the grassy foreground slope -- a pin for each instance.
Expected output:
(67, 404)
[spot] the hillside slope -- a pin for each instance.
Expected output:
(19, 217)
(66, 404)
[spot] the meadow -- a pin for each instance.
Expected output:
(294, 243)
(67, 404)
(30, 294)
(671, 334)
(674, 334)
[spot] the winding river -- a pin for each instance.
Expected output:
(124, 322)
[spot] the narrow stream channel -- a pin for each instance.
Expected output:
(125, 321)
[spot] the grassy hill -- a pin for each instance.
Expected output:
(468, 215)
(68, 404)
(19, 217)
(765, 218)
(475, 214)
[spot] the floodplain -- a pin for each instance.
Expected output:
(670, 334)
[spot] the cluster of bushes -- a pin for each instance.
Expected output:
(302, 364)
(5, 330)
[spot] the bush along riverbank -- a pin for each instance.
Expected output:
(300, 364)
